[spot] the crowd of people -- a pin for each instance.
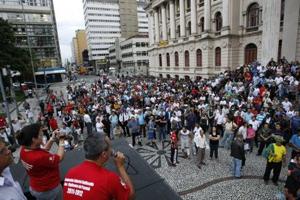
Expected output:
(252, 108)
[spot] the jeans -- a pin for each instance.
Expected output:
(54, 194)
(162, 132)
(237, 165)
(89, 127)
(227, 139)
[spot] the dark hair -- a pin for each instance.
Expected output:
(25, 136)
(94, 145)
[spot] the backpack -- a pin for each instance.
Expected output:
(267, 151)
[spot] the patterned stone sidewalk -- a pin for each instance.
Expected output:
(214, 180)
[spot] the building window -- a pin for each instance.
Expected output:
(218, 20)
(188, 5)
(218, 56)
(160, 60)
(279, 50)
(201, 24)
(168, 59)
(201, 3)
(189, 28)
(186, 59)
(178, 31)
(253, 16)
(199, 57)
(176, 59)
(282, 14)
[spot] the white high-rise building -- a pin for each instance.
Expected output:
(106, 20)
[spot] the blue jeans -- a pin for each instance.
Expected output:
(227, 139)
(162, 133)
(237, 165)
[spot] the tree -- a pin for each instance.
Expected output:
(17, 58)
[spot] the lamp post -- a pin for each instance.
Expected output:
(28, 44)
(12, 91)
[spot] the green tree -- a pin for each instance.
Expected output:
(17, 58)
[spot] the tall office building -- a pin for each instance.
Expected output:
(34, 24)
(205, 37)
(106, 20)
(79, 46)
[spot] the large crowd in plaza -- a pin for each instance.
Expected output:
(253, 109)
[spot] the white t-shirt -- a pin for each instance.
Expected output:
(197, 130)
(286, 105)
(99, 127)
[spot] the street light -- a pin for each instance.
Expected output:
(29, 45)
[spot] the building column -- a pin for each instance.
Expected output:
(207, 16)
(290, 29)
(193, 17)
(182, 18)
(164, 22)
(156, 27)
(172, 20)
(151, 33)
(225, 14)
(270, 35)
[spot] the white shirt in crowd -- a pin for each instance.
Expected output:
(220, 118)
(99, 127)
(123, 117)
(184, 135)
(254, 123)
(243, 131)
(197, 130)
(199, 141)
(278, 80)
(286, 105)
(87, 118)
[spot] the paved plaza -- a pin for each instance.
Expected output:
(213, 181)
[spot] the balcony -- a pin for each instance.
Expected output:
(218, 33)
(251, 29)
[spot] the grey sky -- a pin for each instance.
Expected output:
(69, 17)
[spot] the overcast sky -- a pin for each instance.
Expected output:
(69, 18)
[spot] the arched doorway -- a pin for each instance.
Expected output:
(250, 53)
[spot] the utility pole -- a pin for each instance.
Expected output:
(29, 45)
(5, 101)
(12, 91)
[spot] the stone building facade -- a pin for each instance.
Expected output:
(205, 37)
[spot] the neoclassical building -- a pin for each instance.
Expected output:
(204, 37)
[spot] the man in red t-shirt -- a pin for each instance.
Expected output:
(90, 180)
(53, 123)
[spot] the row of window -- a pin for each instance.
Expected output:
(106, 15)
(106, 9)
(99, 49)
(104, 26)
(102, 43)
(187, 58)
(126, 55)
(43, 3)
(100, 54)
(104, 20)
(253, 19)
(32, 30)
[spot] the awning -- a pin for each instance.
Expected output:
(46, 71)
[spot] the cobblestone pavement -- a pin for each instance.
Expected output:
(214, 180)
